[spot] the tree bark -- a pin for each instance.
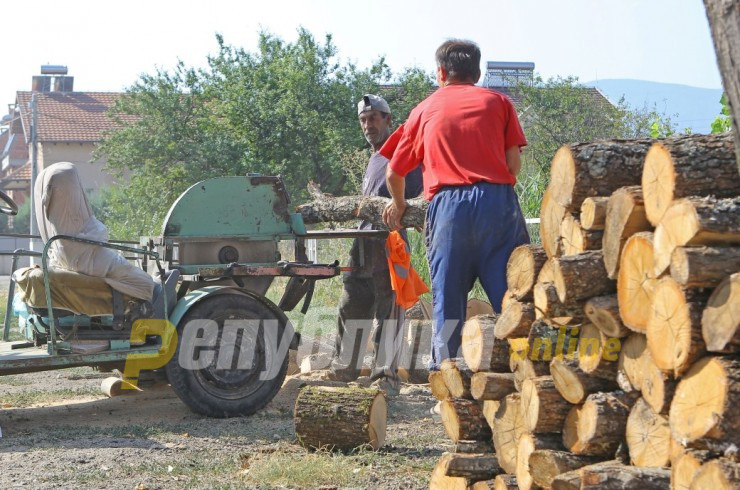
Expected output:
(463, 420)
(570, 480)
(548, 306)
(696, 221)
(473, 467)
(693, 165)
(573, 384)
(636, 281)
(522, 269)
(597, 427)
(340, 418)
(546, 464)
(648, 436)
(582, 276)
(544, 409)
(603, 311)
(473, 447)
(481, 350)
(593, 213)
(599, 168)
(326, 208)
(721, 317)
(612, 476)
(507, 427)
(491, 386)
(528, 443)
(703, 267)
(718, 474)
(522, 363)
(625, 216)
(574, 239)
(515, 320)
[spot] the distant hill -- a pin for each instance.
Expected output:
(696, 107)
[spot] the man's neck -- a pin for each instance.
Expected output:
(376, 148)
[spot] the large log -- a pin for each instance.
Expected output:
(625, 216)
(584, 170)
(721, 317)
(582, 276)
(326, 208)
(718, 474)
(648, 436)
(528, 443)
(551, 215)
(480, 348)
(603, 311)
(456, 374)
(685, 467)
(703, 267)
(674, 326)
(463, 420)
(631, 364)
(696, 221)
(515, 320)
(593, 213)
(548, 306)
(546, 464)
(636, 281)
(574, 239)
(522, 269)
(473, 467)
(507, 427)
(694, 165)
(491, 386)
(707, 402)
(597, 427)
(616, 476)
(573, 384)
(544, 409)
(340, 418)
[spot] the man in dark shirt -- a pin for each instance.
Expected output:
(368, 302)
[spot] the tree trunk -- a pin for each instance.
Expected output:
(463, 420)
(507, 427)
(718, 474)
(685, 467)
(603, 311)
(625, 216)
(481, 350)
(636, 281)
(547, 305)
(597, 427)
(703, 267)
(593, 213)
(457, 376)
(326, 208)
(473, 467)
(674, 326)
(648, 436)
(515, 320)
(582, 276)
(528, 443)
(544, 409)
(491, 386)
(707, 402)
(340, 418)
(551, 215)
(473, 447)
(657, 387)
(505, 482)
(575, 240)
(721, 317)
(522, 269)
(632, 363)
(438, 386)
(546, 464)
(616, 476)
(573, 384)
(694, 165)
(584, 170)
(696, 221)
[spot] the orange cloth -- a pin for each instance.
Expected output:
(404, 280)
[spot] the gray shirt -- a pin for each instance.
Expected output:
(374, 184)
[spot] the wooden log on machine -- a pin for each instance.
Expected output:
(463, 420)
(582, 276)
(508, 426)
(603, 311)
(472, 467)
(456, 374)
(546, 464)
(548, 306)
(491, 386)
(721, 317)
(480, 348)
(719, 474)
(685, 467)
(695, 221)
(515, 320)
(342, 418)
(574, 239)
(611, 475)
(625, 216)
(522, 269)
(505, 482)
(636, 281)
(694, 165)
(597, 354)
(597, 427)
(528, 443)
(707, 402)
(438, 386)
(551, 215)
(703, 267)
(674, 326)
(575, 385)
(544, 409)
(593, 213)
(599, 168)
(648, 436)
(657, 387)
(631, 365)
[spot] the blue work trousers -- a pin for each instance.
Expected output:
(471, 231)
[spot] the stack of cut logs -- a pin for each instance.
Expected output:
(614, 363)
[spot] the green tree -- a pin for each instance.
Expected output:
(723, 122)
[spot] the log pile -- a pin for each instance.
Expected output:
(614, 363)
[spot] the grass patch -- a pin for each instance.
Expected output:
(27, 399)
(14, 381)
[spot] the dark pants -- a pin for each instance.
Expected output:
(470, 234)
(367, 308)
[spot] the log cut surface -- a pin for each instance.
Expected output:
(721, 317)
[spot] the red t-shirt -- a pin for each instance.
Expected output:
(459, 134)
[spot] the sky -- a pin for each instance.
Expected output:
(108, 44)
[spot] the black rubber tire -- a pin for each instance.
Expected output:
(206, 391)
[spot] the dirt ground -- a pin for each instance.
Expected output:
(60, 431)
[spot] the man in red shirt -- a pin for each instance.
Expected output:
(468, 140)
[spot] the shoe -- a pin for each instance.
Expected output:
(391, 387)
(436, 410)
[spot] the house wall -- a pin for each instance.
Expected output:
(92, 174)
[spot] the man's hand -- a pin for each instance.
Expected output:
(393, 213)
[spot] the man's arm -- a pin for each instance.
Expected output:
(513, 160)
(393, 212)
